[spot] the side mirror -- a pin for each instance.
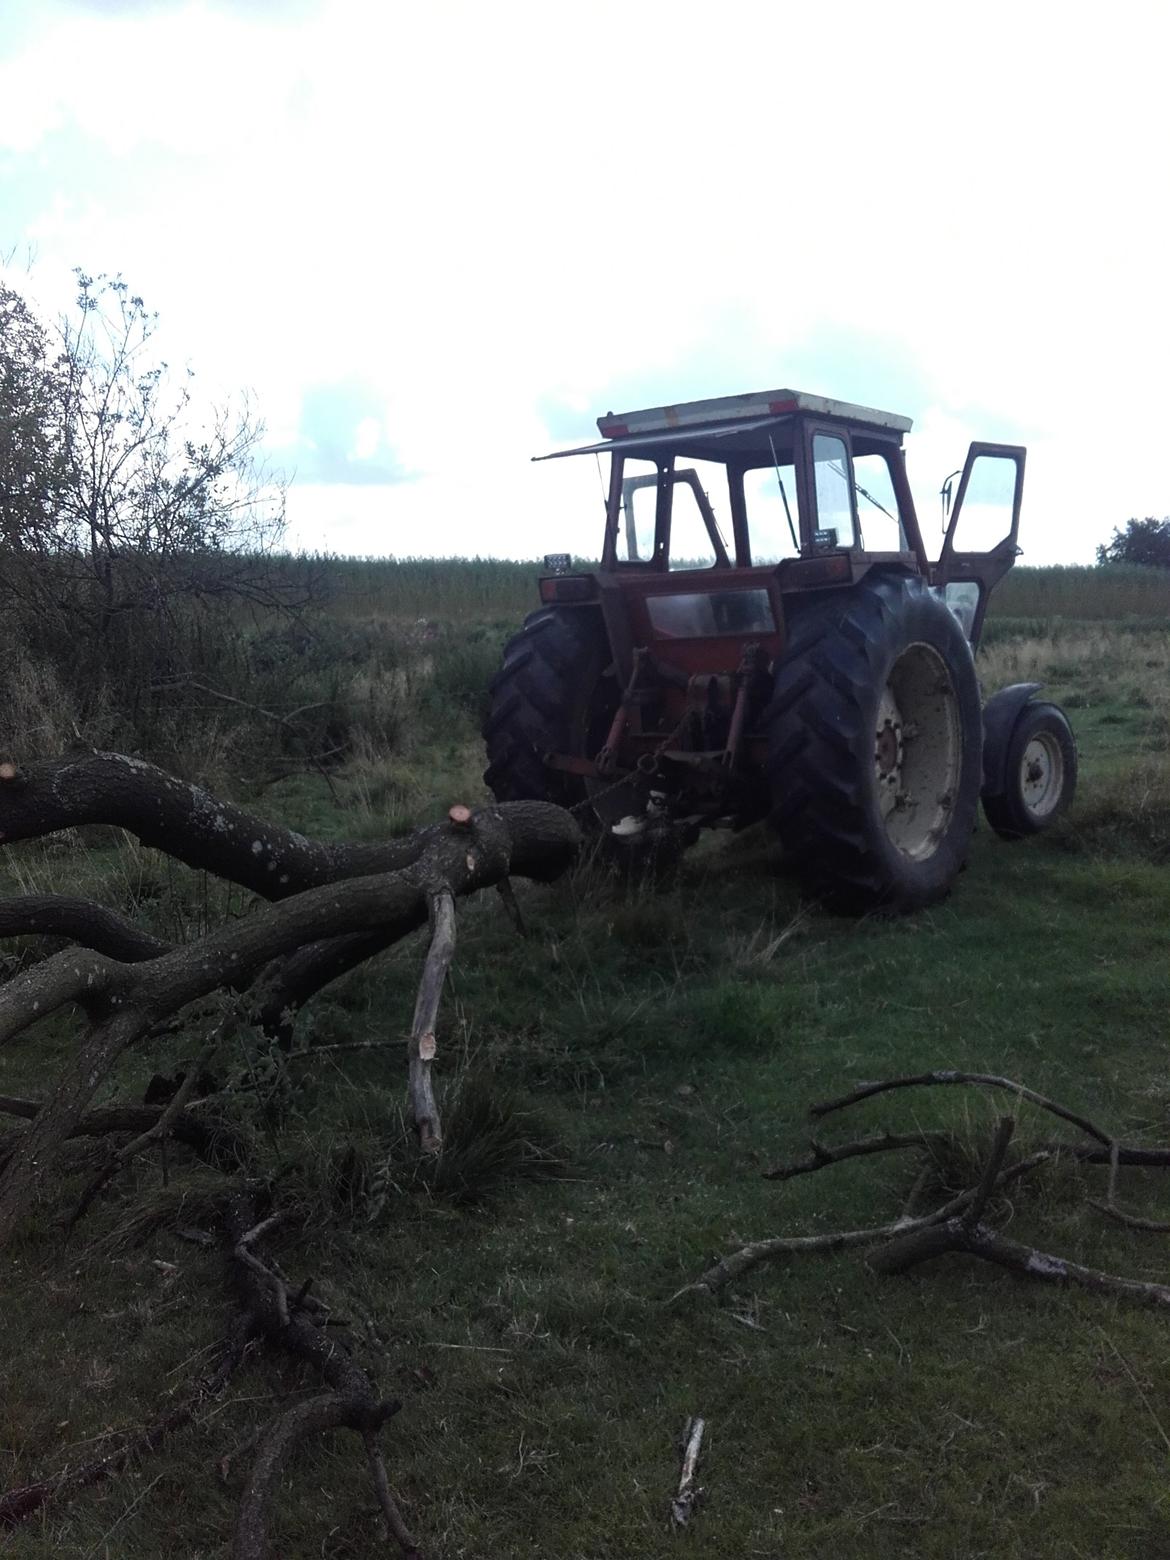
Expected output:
(946, 493)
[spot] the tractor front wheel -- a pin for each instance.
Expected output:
(1040, 774)
(875, 744)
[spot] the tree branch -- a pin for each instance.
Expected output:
(867, 1091)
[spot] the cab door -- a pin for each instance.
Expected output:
(979, 546)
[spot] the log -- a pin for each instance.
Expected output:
(211, 835)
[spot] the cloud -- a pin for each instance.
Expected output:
(502, 221)
(342, 438)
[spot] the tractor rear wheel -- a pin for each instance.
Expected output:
(875, 741)
(555, 693)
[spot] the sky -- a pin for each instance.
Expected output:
(431, 241)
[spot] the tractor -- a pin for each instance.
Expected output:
(765, 636)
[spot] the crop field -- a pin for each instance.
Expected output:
(615, 1085)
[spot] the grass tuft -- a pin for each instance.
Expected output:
(489, 1141)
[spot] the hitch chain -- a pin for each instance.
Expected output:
(644, 767)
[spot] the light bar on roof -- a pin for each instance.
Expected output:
(764, 403)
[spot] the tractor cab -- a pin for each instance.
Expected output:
(759, 496)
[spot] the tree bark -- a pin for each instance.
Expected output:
(216, 836)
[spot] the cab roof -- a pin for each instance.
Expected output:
(731, 424)
(728, 408)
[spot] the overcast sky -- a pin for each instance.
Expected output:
(433, 240)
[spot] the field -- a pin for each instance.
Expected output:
(634, 1064)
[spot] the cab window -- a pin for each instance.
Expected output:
(833, 483)
(698, 496)
(877, 505)
(635, 542)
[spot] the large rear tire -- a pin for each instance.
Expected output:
(555, 693)
(875, 743)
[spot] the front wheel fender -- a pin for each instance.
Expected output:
(999, 717)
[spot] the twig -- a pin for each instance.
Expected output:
(391, 1515)
(1111, 1210)
(682, 1507)
(885, 1142)
(991, 1172)
(155, 1133)
(866, 1091)
(512, 905)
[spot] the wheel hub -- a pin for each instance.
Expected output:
(917, 751)
(887, 753)
(1041, 774)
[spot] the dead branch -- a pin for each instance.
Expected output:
(733, 1266)
(688, 1495)
(158, 1130)
(884, 1143)
(422, 1045)
(210, 1137)
(1110, 1209)
(866, 1091)
(1096, 1153)
(954, 1236)
(282, 1317)
(1132, 1221)
(991, 1176)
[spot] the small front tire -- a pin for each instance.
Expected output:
(1040, 774)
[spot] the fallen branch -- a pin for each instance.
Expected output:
(733, 1266)
(867, 1091)
(1109, 1207)
(285, 1320)
(955, 1236)
(688, 1496)
(884, 1143)
(211, 1138)
(158, 1130)
(1095, 1153)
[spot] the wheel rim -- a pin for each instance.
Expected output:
(1042, 774)
(918, 751)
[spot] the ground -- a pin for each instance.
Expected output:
(669, 1040)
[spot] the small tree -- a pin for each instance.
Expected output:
(133, 519)
(1142, 541)
(118, 497)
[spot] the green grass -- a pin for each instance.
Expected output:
(668, 1044)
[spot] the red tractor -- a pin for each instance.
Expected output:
(765, 636)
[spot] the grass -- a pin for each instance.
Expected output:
(656, 1050)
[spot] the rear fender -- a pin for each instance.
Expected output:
(999, 716)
